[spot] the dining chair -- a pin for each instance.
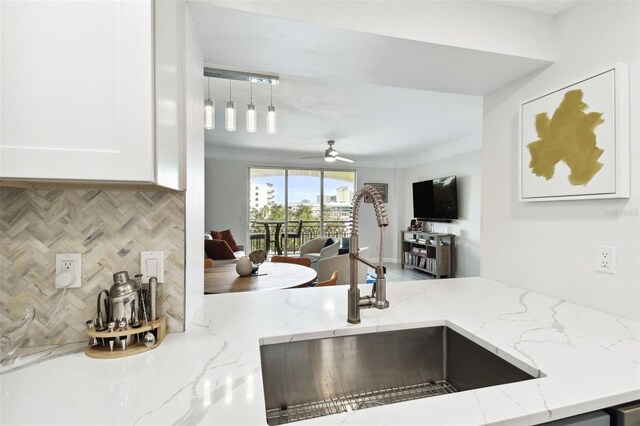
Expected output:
(304, 261)
(257, 236)
(331, 281)
(292, 236)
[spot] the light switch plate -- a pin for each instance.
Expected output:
(152, 265)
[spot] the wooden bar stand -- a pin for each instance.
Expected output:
(157, 327)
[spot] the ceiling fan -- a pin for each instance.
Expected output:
(331, 155)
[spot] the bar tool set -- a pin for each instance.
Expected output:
(127, 322)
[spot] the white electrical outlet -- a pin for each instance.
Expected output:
(68, 270)
(152, 265)
(606, 259)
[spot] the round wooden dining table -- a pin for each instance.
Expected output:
(271, 276)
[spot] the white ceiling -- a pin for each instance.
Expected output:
(539, 6)
(384, 100)
(366, 121)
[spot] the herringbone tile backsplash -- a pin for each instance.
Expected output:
(110, 228)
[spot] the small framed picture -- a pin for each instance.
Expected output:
(382, 189)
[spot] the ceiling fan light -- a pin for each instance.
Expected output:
(329, 159)
(271, 120)
(209, 115)
(252, 119)
(230, 117)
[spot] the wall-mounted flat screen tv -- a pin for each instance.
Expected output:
(436, 199)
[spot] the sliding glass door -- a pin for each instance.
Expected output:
(303, 206)
(288, 207)
(266, 207)
(338, 187)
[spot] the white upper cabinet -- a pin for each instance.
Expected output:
(87, 96)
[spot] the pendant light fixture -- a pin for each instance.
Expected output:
(209, 110)
(252, 118)
(271, 116)
(230, 114)
(230, 117)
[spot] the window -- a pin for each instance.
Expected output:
(321, 199)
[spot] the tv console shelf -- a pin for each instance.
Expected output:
(429, 252)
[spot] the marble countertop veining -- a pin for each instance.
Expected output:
(211, 373)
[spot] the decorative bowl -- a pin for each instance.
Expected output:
(15, 321)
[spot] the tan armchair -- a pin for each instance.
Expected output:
(332, 281)
(315, 251)
(340, 263)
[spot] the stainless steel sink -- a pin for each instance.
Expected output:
(317, 377)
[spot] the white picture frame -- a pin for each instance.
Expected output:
(606, 92)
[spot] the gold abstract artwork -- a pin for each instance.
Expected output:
(568, 136)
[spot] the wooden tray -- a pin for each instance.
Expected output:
(158, 327)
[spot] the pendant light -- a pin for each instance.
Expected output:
(209, 110)
(230, 114)
(271, 116)
(252, 118)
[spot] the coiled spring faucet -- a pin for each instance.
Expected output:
(378, 298)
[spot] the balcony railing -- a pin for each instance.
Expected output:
(336, 229)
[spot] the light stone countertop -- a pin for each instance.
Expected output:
(211, 373)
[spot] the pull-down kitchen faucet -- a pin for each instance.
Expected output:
(378, 298)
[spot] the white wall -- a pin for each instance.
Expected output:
(226, 197)
(550, 246)
(194, 157)
(467, 168)
(226, 194)
(368, 230)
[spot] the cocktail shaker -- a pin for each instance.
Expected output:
(122, 293)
